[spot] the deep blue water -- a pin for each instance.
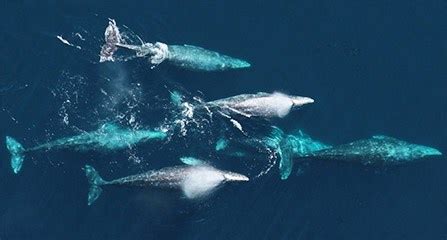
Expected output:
(373, 67)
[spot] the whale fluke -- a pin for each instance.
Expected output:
(95, 182)
(17, 153)
(112, 38)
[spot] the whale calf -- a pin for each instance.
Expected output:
(193, 180)
(377, 150)
(183, 56)
(107, 137)
(268, 105)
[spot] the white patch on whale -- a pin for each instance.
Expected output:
(200, 181)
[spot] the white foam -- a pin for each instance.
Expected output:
(80, 36)
(188, 110)
(159, 52)
(65, 41)
(201, 180)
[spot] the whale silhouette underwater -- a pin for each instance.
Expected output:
(377, 150)
(108, 137)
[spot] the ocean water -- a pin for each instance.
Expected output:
(372, 67)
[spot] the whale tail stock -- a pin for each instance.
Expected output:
(17, 153)
(95, 182)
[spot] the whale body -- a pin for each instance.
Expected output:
(377, 150)
(200, 59)
(261, 104)
(193, 180)
(183, 56)
(107, 137)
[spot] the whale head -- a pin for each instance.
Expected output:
(235, 177)
(421, 151)
(300, 101)
(399, 151)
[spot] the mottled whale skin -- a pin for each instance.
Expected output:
(268, 105)
(200, 59)
(107, 137)
(183, 56)
(377, 150)
(194, 180)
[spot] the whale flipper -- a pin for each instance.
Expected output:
(17, 153)
(176, 98)
(192, 161)
(95, 182)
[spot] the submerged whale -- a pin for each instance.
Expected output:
(377, 150)
(193, 180)
(107, 137)
(184, 56)
(261, 104)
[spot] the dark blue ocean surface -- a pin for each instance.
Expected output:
(373, 67)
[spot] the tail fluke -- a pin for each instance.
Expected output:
(17, 153)
(285, 164)
(95, 181)
(112, 37)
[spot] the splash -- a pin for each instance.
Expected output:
(64, 41)
(188, 115)
(118, 99)
(69, 93)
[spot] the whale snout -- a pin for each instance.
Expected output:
(433, 152)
